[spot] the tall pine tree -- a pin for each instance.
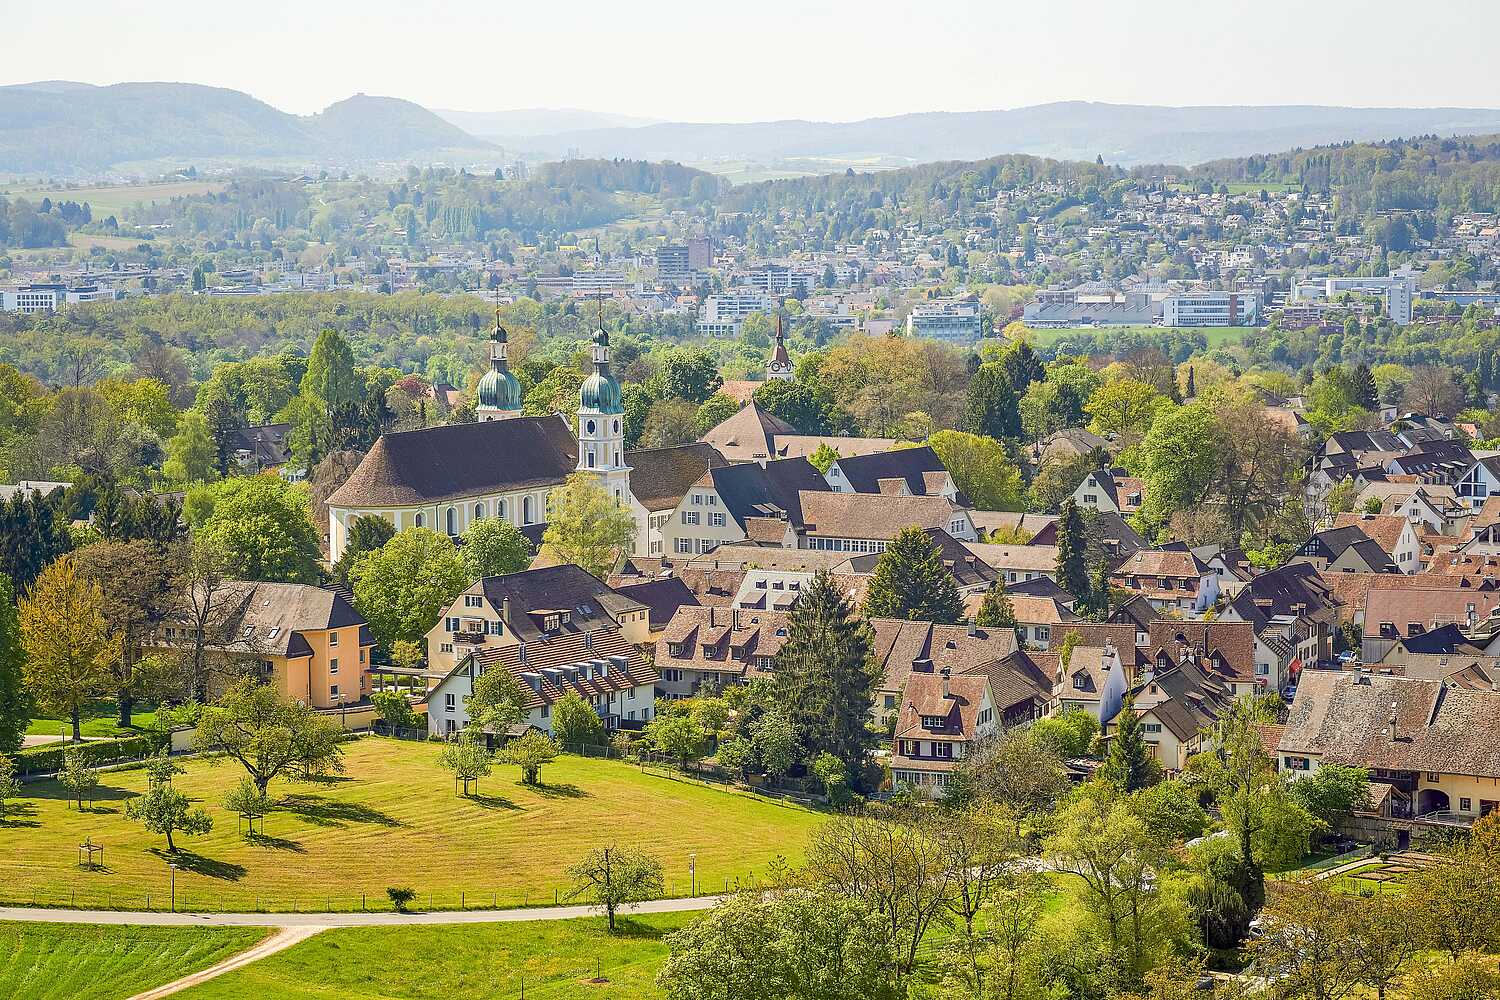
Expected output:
(992, 409)
(1072, 545)
(1127, 764)
(825, 681)
(995, 610)
(15, 700)
(910, 582)
(1365, 393)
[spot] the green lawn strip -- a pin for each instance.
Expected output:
(41, 961)
(393, 820)
(99, 720)
(557, 958)
(1215, 336)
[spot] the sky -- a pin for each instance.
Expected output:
(701, 60)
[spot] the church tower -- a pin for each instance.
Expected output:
(499, 394)
(601, 433)
(780, 365)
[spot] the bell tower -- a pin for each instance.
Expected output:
(601, 432)
(780, 365)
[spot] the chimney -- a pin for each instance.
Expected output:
(505, 610)
(974, 625)
(710, 616)
(945, 675)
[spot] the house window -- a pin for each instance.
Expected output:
(473, 600)
(690, 516)
(1465, 805)
(1080, 681)
(452, 625)
(445, 647)
(683, 546)
(333, 691)
(697, 499)
(716, 519)
(448, 700)
(1151, 727)
(1043, 633)
(1263, 669)
(333, 638)
(333, 665)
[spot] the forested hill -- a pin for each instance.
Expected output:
(1425, 174)
(68, 128)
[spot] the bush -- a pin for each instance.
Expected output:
(400, 896)
(35, 760)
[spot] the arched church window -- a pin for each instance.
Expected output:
(526, 510)
(419, 520)
(478, 511)
(591, 426)
(499, 508)
(452, 521)
(617, 427)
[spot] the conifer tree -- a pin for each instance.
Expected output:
(910, 582)
(992, 409)
(1072, 570)
(15, 699)
(1098, 602)
(995, 610)
(1127, 764)
(825, 682)
(1365, 393)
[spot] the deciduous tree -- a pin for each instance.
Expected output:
(403, 587)
(267, 733)
(68, 642)
(495, 547)
(588, 527)
(165, 810)
(530, 752)
(614, 877)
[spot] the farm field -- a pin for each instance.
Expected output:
(108, 200)
(392, 819)
(82, 962)
(1217, 336)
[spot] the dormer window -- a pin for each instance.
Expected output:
(1080, 681)
(674, 649)
(933, 721)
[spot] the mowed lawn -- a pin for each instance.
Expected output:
(109, 200)
(557, 959)
(84, 962)
(392, 819)
(1215, 336)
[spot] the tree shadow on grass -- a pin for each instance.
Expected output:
(629, 927)
(102, 793)
(199, 865)
(560, 791)
(275, 843)
(322, 811)
(18, 815)
(492, 801)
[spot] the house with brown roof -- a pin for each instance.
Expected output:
(1018, 563)
(659, 479)
(1345, 549)
(748, 435)
(1177, 708)
(1223, 650)
(868, 522)
(1394, 534)
(1393, 614)
(1169, 577)
(308, 642)
(1110, 490)
(1432, 743)
(501, 611)
(712, 648)
(915, 472)
(940, 718)
(901, 647)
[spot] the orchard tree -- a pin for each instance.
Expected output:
(468, 759)
(268, 734)
(530, 752)
(165, 810)
(576, 722)
(614, 877)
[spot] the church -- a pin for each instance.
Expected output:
(505, 465)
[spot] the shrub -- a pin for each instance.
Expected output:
(400, 896)
(35, 760)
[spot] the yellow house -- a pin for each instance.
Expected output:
(1433, 742)
(308, 641)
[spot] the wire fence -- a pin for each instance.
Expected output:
(187, 892)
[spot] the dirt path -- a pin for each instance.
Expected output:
(284, 938)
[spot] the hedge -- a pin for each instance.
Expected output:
(49, 757)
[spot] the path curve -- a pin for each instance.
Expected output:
(294, 928)
(284, 938)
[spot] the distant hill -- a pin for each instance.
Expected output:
(70, 128)
(526, 122)
(1075, 130)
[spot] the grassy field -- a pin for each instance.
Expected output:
(98, 721)
(557, 959)
(1217, 336)
(392, 820)
(84, 962)
(115, 200)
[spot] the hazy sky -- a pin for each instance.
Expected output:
(716, 61)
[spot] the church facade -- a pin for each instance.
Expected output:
(505, 465)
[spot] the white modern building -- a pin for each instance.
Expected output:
(955, 322)
(1211, 309)
(722, 314)
(41, 298)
